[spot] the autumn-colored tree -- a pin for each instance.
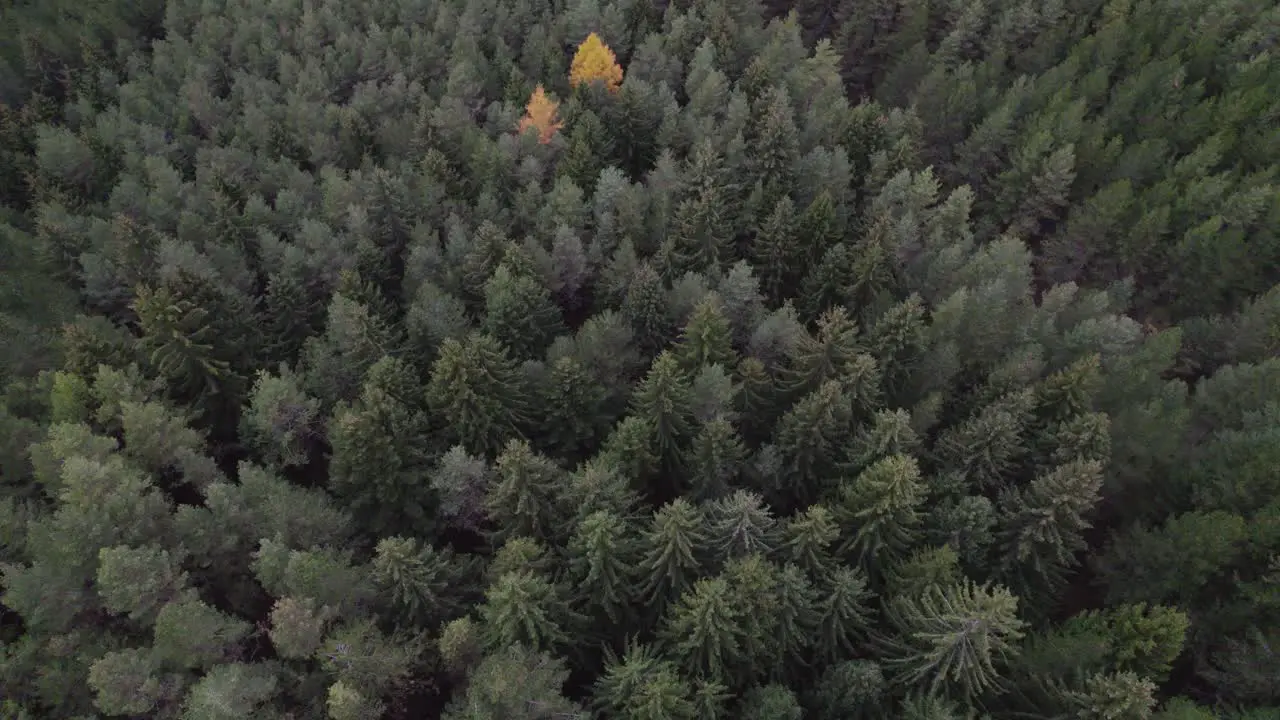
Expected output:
(595, 61)
(540, 113)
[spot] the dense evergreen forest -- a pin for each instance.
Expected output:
(532, 359)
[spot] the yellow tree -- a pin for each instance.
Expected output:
(540, 113)
(595, 61)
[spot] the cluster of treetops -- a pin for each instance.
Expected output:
(531, 359)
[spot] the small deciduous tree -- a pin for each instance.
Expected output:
(541, 115)
(595, 61)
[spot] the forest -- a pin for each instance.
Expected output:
(629, 360)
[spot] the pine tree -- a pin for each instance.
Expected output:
(125, 683)
(190, 633)
(477, 393)
(232, 690)
(298, 626)
(281, 421)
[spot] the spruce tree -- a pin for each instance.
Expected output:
(519, 310)
(883, 503)
(703, 630)
(663, 400)
(842, 614)
(524, 607)
(774, 252)
(476, 393)
(707, 339)
(381, 452)
(715, 459)
(953, 640)
(673, 545)
(605, 565)
(522, 500)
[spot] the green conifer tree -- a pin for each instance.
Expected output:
(707, 339)
(381, 452)
(952, 640)
(884, 504)
(673, 546)
(477, 393)
(520, 310)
